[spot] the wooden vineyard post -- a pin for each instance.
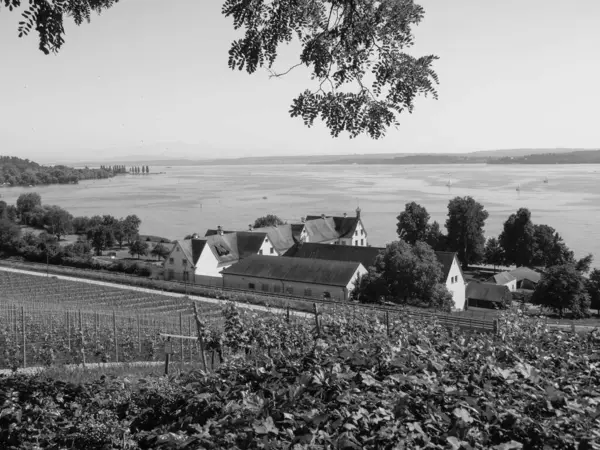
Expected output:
(316, 309)
(139, 335)
(191, 344)
(168, 351)
(287, 314)
(387, 322)
(200, 338)
(115, 337)
(69, 331)
(496, 327)
(181, 340)
(24, 341)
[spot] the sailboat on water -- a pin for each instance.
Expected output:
(546, 180)
(519, 188)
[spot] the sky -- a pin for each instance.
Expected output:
(151, 77)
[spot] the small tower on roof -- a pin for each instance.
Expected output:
(358, 212)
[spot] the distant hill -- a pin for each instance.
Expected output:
(577, 157)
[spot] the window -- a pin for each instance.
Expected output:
(326, 294)
(276, 288)
(362, 232)
(171, 274)
(308, 292)
(260, 252)
(184, 262)
(265, 287)
(271, 250)
(171, 260)
(289, 290)
(355, 243)
(362, 242)
(355, 232)
(251, 286)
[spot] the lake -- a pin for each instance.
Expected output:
(193, 198)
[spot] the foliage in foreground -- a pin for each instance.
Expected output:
(353, 388)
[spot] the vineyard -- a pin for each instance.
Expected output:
(350, 382)
(46, 321)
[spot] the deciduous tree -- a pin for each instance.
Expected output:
(101, 238)
(465, 223)
(9, 233)
(270, 220)
(58, 221)
(131, 228)
(413, 223)
(435, 238)
(355, 51)
(441, 298)
(139, 248)
(402, 271)
(160, 251)
(593, 289)
(563, 287)
(494, 253)
(26, 203)
(517, 238)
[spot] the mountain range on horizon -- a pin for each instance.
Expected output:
(163, 156)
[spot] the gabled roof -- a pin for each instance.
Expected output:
(186, 248)
(321, 230)
(525, 273)
(303, 270)
(342, 226)
(249, 242)
(281, 237)
(501, 278)
(446, 259)
(488, 291)
(365, 255)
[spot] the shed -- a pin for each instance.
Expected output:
(526, 278)
(504, 279)
(487, 295)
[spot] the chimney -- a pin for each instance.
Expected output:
(345, 215)
(220, 230)
(250, 227)
(322, 216)
(303, 219)
(358, 212)
(195, 236)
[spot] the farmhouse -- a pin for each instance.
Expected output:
(339, 230)
(201, 260)
(504, 279)
(452, 275)
(487, 295)
(526, 278)
(294, 276)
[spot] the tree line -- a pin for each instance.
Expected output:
(96, 234)
(139, 169)
(23, 172)
(408, 268)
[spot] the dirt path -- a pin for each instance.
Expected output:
(214, 301)
(34, 370)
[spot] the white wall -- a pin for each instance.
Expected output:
(263, 285)
(359, 238)
(267, 248)
(456, 285)
(207, 264)
(511, 285)
(177, 266)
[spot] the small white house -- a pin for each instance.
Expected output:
(201, 260)
(453, 276)
(504, 279)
